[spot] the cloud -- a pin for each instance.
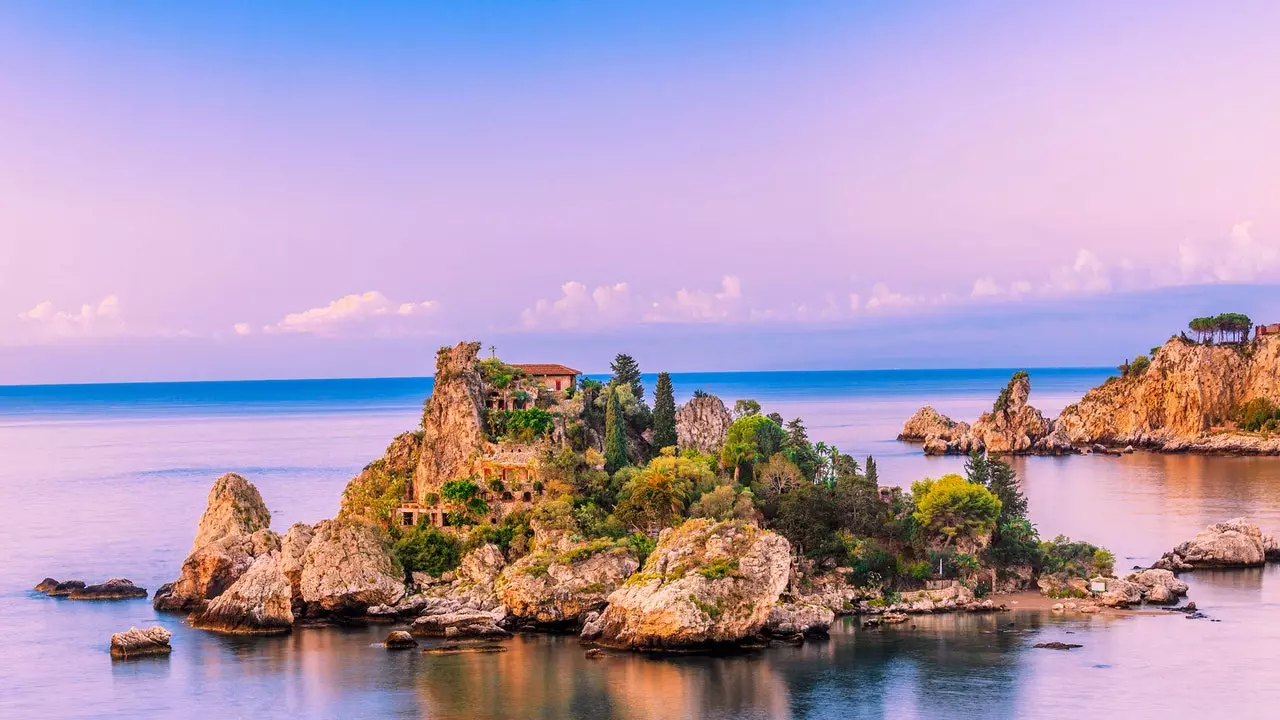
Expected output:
(1241, 258)
(365, 313)
(243, 328)
(97, 320)
(580, 307)
(699, 305)
(883, 299)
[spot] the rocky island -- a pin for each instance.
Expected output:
(1186, 396)
(531, 498)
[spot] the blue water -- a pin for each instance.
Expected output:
(106, 480)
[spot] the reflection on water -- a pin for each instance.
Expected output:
(102, 496)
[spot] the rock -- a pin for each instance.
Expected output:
(1183, 402)
(1234, 543)
(453, 422)
(348, 568)
(293, 548)
(113, 589)
(1090, 609)
(1058, 607)
(54, 588)
(399, 640)
(379, 478)
(408, 606)
(945, 599)
(557, 586)
(1012, 426)
(258, 602)
(1119, 593)
(1161, 587)
(232, 532)
(594, 654)
(461, 623)
(456, 649)
(925, 422)
(1055, 645)
(888, 618)
(702, 424)
(706, 584)
(799, 617)
(134, 643)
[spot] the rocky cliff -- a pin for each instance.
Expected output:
(453, 425)
(1186, 400)
(702, 424)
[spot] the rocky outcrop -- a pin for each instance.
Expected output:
(799, 618)
(1012, 427)
(1234, 543)
(293, 550)
(135, 643)
(370, 495)
(1184, 401)
(55, 588)
(348, 567)
(459, 623)
(705, 585)
(702, 424)
(1160, 587)
(232, 532)
(258, 602)
(113, 589)
(557, 586)
(399, 640)
(453, 422)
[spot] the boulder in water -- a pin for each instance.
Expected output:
(348, 568)
(113, 589)
(1234, 543)
(134, 643)
(258, 602)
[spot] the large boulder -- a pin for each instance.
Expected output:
(113, 589)
(136, 642)
(792, 618)
(233, 531)
(1160, 586)
(557, 586)
(293, 549)
(1234, 543)
(702, 424)
(925, 422)
(56, 588)
(461, 622)
(259, 602)
(706, 584)
(348, 567)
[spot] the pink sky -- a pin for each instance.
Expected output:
(259, 184)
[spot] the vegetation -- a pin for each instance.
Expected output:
(1227, 327)
(464, 502)
(499, 375)
(615, 434)
(952, 507)
(1258, 415)
(751, 439)
(1135, 368)
(426, 549)
(626, 373)
(1002, 400)
(525, 425)
(664, 413)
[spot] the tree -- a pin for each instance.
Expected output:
(777, 476)
(976, 468)
(952, 507)
(426, 549)
(656, 497)
(664, 413)
(463, 499)
(615, 434)
(750, 440)
(796, 446)
(873, 475)
(1004, 485)
(626, 371)
(746, 408)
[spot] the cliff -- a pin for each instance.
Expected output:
(453, 424)
(1188, 399)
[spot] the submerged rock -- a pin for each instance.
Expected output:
(399, 640)
(459, 623)
(113, 589)
(1234, 543)
(54, 588)
(259, 602)
(706, 584)
(134, 642)
(1055, 645)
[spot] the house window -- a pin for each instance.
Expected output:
(528, 497)
(407, 518)
(506, 496)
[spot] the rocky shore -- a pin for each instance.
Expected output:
(1186, 399)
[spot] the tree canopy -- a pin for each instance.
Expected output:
(615, 433)
(626, 371)
(664, 413)
(953, 507)
(1226, 327)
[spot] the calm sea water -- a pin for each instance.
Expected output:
(110, 480)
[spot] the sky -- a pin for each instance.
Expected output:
(194, 191)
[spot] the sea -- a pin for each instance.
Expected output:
(101, 481)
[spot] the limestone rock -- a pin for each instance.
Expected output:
(113, 589)
(258, 602)
(944, 599)
(54, 588)
(293, 548)
(460, 623)
(925, 422)
(706, 584)
(1161, 587)
(134, 642)
(1119, 593)
(702, 424)
(233, 531)
(1234, 543)
(399, 640)
(789, 618)
(452, 424)
(389, 475)
(348, 567)
(558, 585)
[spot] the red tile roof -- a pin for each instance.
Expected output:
(546, 369)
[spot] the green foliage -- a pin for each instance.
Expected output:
(809, 517)
(1104, 562)
(1258, 415)
(615, 434)
(374, 494)
(1003, 483)
(751, 439)
(512, 535)
(1061, 556)
(953, 507)
(798, 449)
(426, 549)
(525, 425)
(642, 545)
(1002, 400)
(495, 485)
(872, 473)
(464, 501)
(711, 611)
(499, 375)
(720, 569)
(1139, 365)
(920, 570)
(745, 408)
(725, 502)
(1016, 543)
(870, 564)
(664, 413)
(1226, 327)
(656, 497)
(626, 373)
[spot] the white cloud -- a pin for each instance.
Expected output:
(580, 307)
(243, 328)
(1241, 258)
(699, 305)
(365, 313)
(97, 320)
(884, 299)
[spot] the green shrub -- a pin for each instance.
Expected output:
(521, 425)
(426, 549)
(920, 570)
(869, 563)
(719, 569)
(1257, 415)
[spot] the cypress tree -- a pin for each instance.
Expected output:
(664, 413)
(615, 434)
(626, 371)
(873, 475)
(1004, 485)
(977, 469)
